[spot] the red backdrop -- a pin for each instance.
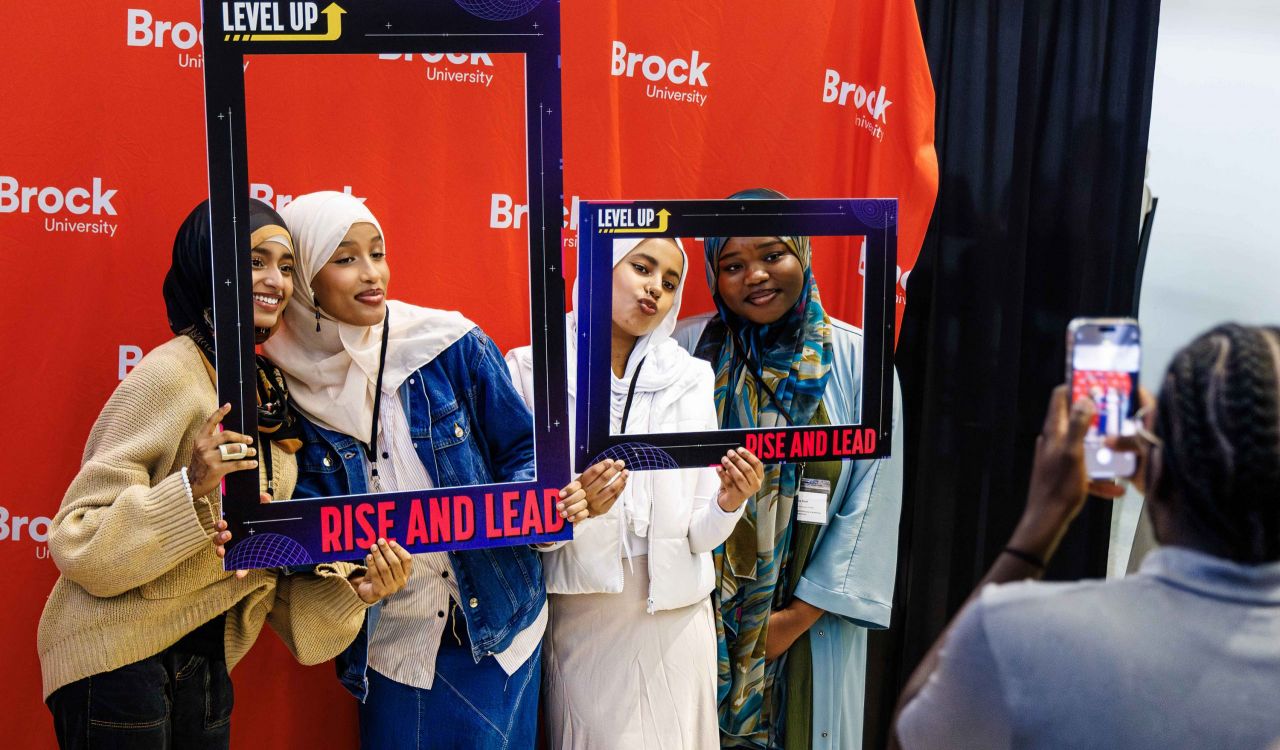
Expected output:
(102, 155)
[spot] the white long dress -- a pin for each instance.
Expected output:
(617, 677)
(629, 657)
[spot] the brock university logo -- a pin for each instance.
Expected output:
(24, 528)
(475, 68)
(687, 76)
(144, 29)
(868, 102)
(82, 209)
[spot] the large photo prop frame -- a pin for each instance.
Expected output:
(601, 222)
(316, 530)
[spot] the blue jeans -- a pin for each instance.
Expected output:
(469, 705)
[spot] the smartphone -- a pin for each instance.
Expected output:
(1103, 355)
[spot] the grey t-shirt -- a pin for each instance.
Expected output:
(1183, 654)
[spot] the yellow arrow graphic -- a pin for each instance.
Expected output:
(333, 17)
(662, 226)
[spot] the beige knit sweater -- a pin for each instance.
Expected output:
(138, 566)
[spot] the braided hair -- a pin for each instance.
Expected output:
(1218, 417)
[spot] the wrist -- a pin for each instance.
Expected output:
(805, 613)
(186, 484)
(1039, 531)
(726, 503)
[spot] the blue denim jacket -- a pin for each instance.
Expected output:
(469, 426)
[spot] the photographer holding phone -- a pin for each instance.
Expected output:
(1183, 654)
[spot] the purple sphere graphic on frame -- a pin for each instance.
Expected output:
(498, 10)
(639, 456)
(267, 551)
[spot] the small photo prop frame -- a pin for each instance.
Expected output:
(314, 530)
(603, 221)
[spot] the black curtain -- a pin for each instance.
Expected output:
(1043, 109)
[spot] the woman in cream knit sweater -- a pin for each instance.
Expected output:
(143, 624)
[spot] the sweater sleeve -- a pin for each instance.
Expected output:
(128, 517)
(317, 615)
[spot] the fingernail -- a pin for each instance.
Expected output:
(559, 506)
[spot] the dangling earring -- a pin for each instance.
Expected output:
(316, 299)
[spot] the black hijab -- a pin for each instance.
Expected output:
(188, 297)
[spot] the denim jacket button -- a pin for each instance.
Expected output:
(474, 602)
(411, 380)
(457, 430)
(326, 461)
(349, 455)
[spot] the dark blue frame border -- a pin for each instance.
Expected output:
(289, 532)
(876, 219)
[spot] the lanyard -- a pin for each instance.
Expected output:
(371, 450)
(631, 393)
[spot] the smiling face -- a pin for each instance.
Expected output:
(759, 278)
(644, 286)
(272, 265)
(352, 286)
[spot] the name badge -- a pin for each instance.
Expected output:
(811, 502)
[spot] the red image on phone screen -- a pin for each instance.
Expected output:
(1103, 358)
(1111, 392)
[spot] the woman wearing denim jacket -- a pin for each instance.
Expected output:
(454, 659)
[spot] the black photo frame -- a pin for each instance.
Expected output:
(290, 532)
(601, 222)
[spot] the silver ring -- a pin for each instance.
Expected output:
(233, 451)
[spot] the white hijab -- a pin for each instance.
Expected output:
(332, 373)
(668, 373)
(664, 359)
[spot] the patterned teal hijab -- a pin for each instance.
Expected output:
(792, 358)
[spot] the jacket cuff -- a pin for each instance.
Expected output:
(865, 613)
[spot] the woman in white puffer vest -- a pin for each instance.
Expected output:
(630, 650)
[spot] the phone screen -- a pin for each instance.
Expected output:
(1104, 367)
